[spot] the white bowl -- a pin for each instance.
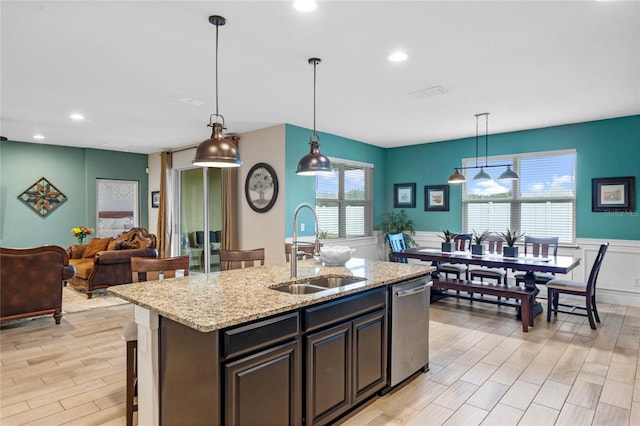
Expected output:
(335, 255)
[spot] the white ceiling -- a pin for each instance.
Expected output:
(531, 64)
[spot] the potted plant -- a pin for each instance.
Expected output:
(478, 238)
(510, 238)
(396, 223)
(448, 244)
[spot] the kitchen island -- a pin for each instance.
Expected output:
(203, 341)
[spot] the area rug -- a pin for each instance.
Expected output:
(75, 301)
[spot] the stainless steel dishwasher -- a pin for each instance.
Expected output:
(409, 350)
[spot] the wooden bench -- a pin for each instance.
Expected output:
(521, 294)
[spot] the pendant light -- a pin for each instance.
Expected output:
(457, 177)
(314, 163)
(217, 151)
(508, 174)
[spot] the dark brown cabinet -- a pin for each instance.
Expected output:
(262, 372)
(369, 355)
(264, 388)
(347, 362)
(328, 373)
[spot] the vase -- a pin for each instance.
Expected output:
(80, 239)
(510, 251)
(447, 247)
(477, 249)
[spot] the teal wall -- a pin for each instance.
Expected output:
(606, 148)
(74, 172)
(301, 189)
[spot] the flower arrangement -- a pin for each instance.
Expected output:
(479, 237)
(81, 233)
(511, 237)
(448, 236)
(448, 244)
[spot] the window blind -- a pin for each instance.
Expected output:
(344, 202)
(541, 203)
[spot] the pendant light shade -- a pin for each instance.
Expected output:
(457, 177)
(314, 163)
(218, 150)
(509, 174)
(482, 175)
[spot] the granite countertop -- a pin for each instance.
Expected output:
(208, 302)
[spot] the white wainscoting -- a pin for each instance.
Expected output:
(619, 279)
(366, 247)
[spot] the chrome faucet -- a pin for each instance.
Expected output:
(294, 241)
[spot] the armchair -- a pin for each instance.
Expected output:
(31, 281)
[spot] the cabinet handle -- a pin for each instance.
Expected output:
(414, 290)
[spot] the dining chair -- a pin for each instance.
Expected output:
(145, 269)
(396, 241)
(305, 250)
(538, 247)
(238, 259)
(556, 287)
(462, 242)
(494, 246)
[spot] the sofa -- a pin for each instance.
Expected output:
(31, 282)
(104, 262)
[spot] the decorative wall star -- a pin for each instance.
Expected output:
(43, 197)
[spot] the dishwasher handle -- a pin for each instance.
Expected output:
(415, 290)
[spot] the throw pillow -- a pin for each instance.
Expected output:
(126, 245)
(142, 242)
(112, 244)
(96, 245)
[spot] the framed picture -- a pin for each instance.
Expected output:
(404, 195)
(155, 199)
(612, 194)
(436, 198)
(261, 187)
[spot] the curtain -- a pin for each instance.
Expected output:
(229, 206)
(164, 210)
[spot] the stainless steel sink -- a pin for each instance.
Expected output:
(299, 288)
(315, 285)
(332, 282)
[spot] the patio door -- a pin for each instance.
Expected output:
(190, 214)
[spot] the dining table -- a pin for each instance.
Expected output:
(527, 263)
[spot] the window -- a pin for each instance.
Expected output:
(541, 203)
(343, 200)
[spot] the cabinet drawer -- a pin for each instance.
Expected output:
(344, 309)
(246, 338)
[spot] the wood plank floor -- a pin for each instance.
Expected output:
(484, 370)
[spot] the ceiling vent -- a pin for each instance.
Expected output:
(428, 92)
(190, 101)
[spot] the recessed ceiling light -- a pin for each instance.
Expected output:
(398, 57)
(76, 117)
(305, 5)
(38, 136)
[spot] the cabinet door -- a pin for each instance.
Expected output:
(328, 373)
(264, 388)
(369, 355)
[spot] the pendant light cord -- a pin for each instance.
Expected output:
(486, 139)
(217, 27)
(476, 140)
(315, 64)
